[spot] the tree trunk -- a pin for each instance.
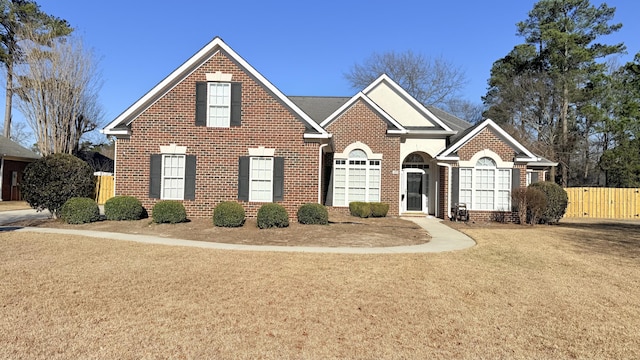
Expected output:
(8, 102)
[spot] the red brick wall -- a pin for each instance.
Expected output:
(443, 192)
(10, 193)
(265, 122)
(361, 123)
(487, 139)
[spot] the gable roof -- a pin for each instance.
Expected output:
(452, 121)
(119, 125)
(393, 125)
(470, 133)
(11, 149)
(441, 125)
(319, 107)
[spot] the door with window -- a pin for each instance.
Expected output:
(414, 191)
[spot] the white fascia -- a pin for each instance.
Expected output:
(504, 134)
(407, 96)
(189, 66)
(378, 109)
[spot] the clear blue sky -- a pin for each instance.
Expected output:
(302, 47)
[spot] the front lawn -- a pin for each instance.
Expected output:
(567, 291)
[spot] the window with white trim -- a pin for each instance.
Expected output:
(356, 179)
(466, 187)
(261, 179)
(173, 171)
(218, 104)
(485, 186)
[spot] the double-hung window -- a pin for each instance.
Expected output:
(356, 179)
(261, 179)
(173, 171)
(219, 104)
(261, 176)
(485, 186)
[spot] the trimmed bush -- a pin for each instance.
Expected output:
(272, 215)
(52, 180)
(168, 211)
(228, 214)
(557, 201)
(360, 209)
(313, 214)
(80, 210)
(123, 208)
(379, 209)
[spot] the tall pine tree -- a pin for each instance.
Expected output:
(565, 37)
(22, 20)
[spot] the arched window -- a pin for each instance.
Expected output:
(485, 186)
(356, 178)
(414, 161)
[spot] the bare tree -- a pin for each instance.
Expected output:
(57, 91)
(431, 81)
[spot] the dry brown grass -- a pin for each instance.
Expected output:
(569, 291)
(13, 205)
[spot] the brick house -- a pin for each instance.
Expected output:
(215, 129)
(14, 158)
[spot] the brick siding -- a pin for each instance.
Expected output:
(361, 123)
(265, 122)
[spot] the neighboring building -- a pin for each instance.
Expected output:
(13, 160)
(215, 129)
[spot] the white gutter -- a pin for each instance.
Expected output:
(448, 187)
(320, 152)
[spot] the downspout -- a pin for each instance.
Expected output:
(320, 152)
(1, 175)
(448, 166)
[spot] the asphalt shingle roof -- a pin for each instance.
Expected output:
(319, 107)
(10, 148)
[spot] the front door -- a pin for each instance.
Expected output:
(414, 191)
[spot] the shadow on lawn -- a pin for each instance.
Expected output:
(606, 237)
(10, 228)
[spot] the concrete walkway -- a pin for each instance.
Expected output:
(443, 238)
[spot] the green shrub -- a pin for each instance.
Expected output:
(379, 209)
(50, 181)
(80, 210)
(272, 215)
(313, 214)
(123, 208)
(228, 214)
(360, 209)
(168, 211)
(557, 201)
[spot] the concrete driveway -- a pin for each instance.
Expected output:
(7, 217)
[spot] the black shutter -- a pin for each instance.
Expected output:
(201, 103)
(534, 177)
(515, 178)
(243, 178)
(278, 179)
(155, 176)
(236, 104)
(190, 178)
(455, 185)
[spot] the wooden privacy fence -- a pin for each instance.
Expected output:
(104, 188)
(603, 203)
